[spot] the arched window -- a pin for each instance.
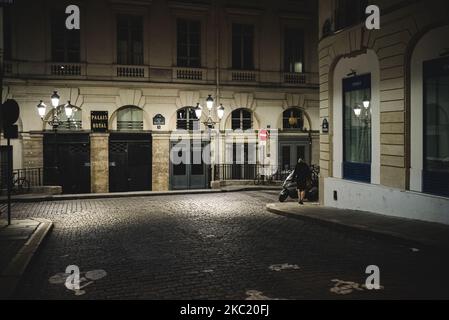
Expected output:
(436, 127)
(130, 119)
(293, 119)
(242, 119)
(186, 119)
(74, 123)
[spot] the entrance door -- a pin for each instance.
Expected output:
(291, 152)
(130, 160)
(67, 162)
(188, 170)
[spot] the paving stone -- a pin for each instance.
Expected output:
(159, 247)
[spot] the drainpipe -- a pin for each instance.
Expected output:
(217, 81)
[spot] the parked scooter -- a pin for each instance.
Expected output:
(289, 187)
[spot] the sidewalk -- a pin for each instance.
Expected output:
(46, 197)
(414, 231)
(18, 244)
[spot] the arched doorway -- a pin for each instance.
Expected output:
(189, 158)
(429, 109)
(130, 152)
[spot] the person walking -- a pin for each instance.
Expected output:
(302, 175)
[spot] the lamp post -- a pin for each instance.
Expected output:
(210, 122)
(55, 120)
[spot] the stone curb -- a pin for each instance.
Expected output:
(133, 194)
(12, 274)
(379, 233)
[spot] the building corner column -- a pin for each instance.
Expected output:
(161, 162)
(99, 162)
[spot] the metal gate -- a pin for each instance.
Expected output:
(67, 161)
(130, 161)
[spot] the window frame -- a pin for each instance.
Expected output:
(133, 125)
(57, 29)
(360, 172)
(285, 59)
(242, 63)
(301, 119)
(242, 119)
(189, 59)
(130, 58)
(192, 121)
(433, 182)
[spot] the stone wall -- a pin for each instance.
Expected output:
(161, 162)
(33, 150)
(99, 161)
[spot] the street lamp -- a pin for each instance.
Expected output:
(55, 99)
(210, 102)
(55, 120)
(366, 102)
(198, 111)
(210, 123)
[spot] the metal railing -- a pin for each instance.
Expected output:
(23, 179)
(256, 172)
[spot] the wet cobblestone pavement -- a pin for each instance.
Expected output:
(216, 246)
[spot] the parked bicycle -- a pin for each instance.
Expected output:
(20, 184)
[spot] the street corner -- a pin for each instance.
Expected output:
(19, 242)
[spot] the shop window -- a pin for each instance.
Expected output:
(357, 128)
(294, 50)
(130, 119)
(65, 44)
(242, 119)
(242, 46)
(186, 119)
(436, 127)
(129, 40)
(293, 119)
(188, 43)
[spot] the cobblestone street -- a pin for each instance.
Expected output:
(216, 246)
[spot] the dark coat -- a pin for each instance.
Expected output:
(302, 174)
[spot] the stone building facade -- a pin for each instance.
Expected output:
(402, 73)
(147, 58)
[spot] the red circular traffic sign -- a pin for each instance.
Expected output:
(264, 135)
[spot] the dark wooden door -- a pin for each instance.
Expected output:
(130, 161)
(67, 162)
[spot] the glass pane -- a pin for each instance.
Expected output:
(286, 157)
(130, 119)
(437, 124)
(197, 168)
(357, 128)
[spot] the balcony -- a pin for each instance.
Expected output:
(300, 78)
(243, 76)
(189, 74)
(113, 72)
(132, 72)
(67, 69)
